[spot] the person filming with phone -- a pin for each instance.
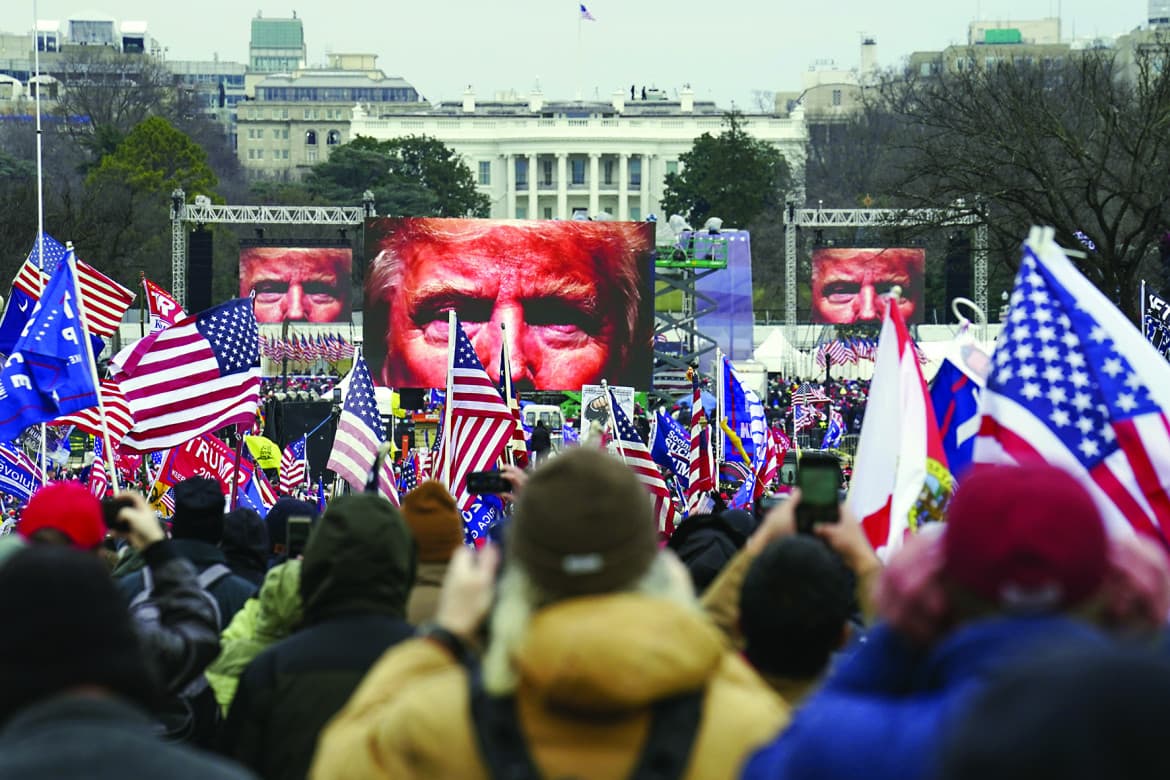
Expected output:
(597, 660)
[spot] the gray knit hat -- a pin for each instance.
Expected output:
(583, 524)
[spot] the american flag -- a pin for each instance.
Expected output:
(585, 15)
(293, 468)
(769, 465)
(850, 354)
(700, 459)
(518, 445)
(804, 416)
(197, 376)
(105, 300)
(633, 451)
(1075, 384)
(481, 423)
(409, 479)
(360, 431)
(807, 394)
(99, 480)
(118, 416)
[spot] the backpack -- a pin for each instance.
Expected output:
(674, 725)
(191, 714)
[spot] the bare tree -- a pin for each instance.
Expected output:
(1078, 143)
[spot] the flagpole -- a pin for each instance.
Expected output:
(449, 441)
(509, 455)
(576, 70)
(718, 441)
(1142, 318)
(71, 259)
(236, 469)
(611, 402)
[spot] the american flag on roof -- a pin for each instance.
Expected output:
(293, 470)
(1074, 383)
(197, 376)
(360, 431)
(105, 300)
(481, 423)
(633, 451)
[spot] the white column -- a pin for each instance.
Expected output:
(623, 187)
(594, 183)
(510, 194)
(562, 185)
(645, 201)
(532, 193)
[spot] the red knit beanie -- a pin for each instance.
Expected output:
(67, 507)
(1027, 538)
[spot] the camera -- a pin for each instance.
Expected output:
(110, 509)
(487, 482)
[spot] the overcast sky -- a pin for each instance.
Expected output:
(727, 50)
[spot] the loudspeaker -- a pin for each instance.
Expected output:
(296, 418)
(412, 398)
(199, 257)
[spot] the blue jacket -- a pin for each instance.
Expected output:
(881, 715)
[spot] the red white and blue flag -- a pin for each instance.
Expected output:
(633, 451)
(481, 423)
(701, 459)
(1075, 384)
(360, 432)
(293, 471)
(197, 376)
(585, 15)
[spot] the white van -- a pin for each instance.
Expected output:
(551, 416)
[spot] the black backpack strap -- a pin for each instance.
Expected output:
(497, 731)
(674, 725)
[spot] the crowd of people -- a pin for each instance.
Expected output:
(1017, 639)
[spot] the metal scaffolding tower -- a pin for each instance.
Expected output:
(680, 267)
(887, 218)
(204, 212)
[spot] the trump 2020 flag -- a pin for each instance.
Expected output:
(835, 432)
(1156, 321)
(49, 372)
(670, 447)
(900, 476)
(1075, 384)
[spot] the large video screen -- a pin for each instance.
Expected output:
(576, 299)
(847, 283)
(297, 283)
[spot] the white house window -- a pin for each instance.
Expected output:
(485, 172)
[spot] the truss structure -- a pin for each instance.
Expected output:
(203, 212)
(822, 218)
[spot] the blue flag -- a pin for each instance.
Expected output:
(485, 512)
(49, 373)
(670, 447)
(834, 432)
(320, 496)
(955, 397)
(18, 474)
(249, 498)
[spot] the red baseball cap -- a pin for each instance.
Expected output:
(1028, 538)
(68, 507)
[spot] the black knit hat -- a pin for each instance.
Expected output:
(360, 559)
(199, 508)
(583, 524)
(65, 625)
